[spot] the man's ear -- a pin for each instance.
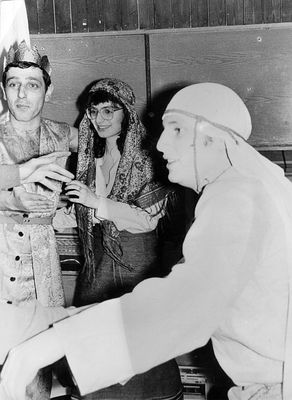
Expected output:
(49, 92)
(2, 91)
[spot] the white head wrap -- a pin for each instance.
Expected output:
(223, 108)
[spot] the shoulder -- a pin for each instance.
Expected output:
(235, 194)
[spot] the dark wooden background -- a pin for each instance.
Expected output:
(73, 16)
(160, 45)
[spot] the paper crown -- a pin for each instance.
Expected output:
(23, 53)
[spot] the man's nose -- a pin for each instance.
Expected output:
(161, 142)
(22, 91)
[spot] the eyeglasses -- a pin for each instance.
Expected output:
(106, 113)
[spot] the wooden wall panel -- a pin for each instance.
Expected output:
(286, 10)
(113, 15)
(217, 12)
(199, 13)
(77, 61)
(271, 11)
(181, 13)
(234, 12)
(79, 16)
(163, 17)
(63, 16)
(46, 16)
(146, 14)
(255, 62)
(253, 12)
(129, 14)
(95, 10)
(32, 15)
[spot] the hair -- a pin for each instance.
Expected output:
(101, 96)
(24, 65)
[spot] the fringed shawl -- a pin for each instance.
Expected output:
(134, 177)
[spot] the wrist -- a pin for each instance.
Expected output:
(23, 172)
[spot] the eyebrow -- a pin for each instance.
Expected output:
(29, 78)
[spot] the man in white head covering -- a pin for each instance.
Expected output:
(233, 286)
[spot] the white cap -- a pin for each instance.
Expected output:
(216, 103)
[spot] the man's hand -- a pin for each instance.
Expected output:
(20, 200)
(44, 168)
(25, 360)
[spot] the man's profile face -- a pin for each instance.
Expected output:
(25, 93)
(176, 144)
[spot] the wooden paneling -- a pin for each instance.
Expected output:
(286, 10)
(77, 61)
(163, 17)
(129, 15)
(113, 15)
(217, 12)
(235, 12)
(32, 15)
(146, 14)
(63, 16)
(95, 11)
(271, 11)
(199, 13)
(181, 13)
(79, 15)
(253, 11)
(46, 16)
(255, 62)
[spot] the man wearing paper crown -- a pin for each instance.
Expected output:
(29, 262)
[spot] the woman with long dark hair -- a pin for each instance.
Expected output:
(119, 204)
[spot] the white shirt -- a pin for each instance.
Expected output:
(232, 287)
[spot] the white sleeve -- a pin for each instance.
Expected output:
(166, 317)
(130, 218)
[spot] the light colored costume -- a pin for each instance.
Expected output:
(28, 250)
(232, 287)
(29, 262)
(9, 176)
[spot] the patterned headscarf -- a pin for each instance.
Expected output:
(135, 170)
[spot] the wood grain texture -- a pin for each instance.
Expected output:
(95, 11)
(271, 11)
(113, 15)
(217, 12)
(79, 16)
(253, 12)
(32, 15)
(77, 61)
(146, 14)
(286, 11)
(181, 13)
(163, 17)
(46, 16)
(63, 16)
(235, 12)
(199, 13)
(256, 63)
(129, 14)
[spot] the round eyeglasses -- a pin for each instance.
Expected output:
(106, 112)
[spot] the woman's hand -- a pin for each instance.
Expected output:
(80, 193)
(25, 360)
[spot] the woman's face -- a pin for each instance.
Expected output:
(106, 118)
